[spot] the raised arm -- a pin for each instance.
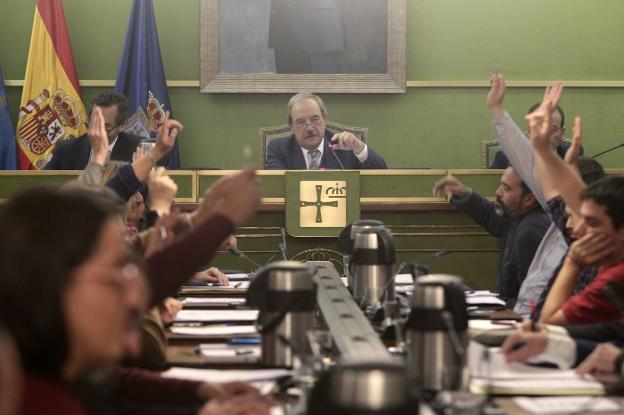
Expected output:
(513, 142)
(557, 177)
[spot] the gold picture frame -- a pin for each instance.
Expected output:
(212, 80)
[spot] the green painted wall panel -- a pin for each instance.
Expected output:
(427, 127)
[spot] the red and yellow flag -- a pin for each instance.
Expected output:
(51, 108)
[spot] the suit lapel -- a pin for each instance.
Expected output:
(296, 155)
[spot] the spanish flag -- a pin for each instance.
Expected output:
(51, 108)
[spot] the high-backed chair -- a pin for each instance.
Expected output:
(266, 134)
(489, 148)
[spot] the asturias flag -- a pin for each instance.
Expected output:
(51, 108)
(8, 150)
(141, 76)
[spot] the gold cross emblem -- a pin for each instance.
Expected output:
(320, 195)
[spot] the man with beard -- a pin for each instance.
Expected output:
(311, 146)
(516, 219)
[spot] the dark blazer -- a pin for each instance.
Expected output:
(73, 154)
(501, 161)
(285, 154)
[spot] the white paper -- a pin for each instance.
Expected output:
(486, 325)
(212, 300)
(404, 279)
(404, 289)
(216, 315)
(215, 330)
(481, 293)
(576, 404)
(222, 353)
(219, 376)
(482, 300)
(488, 369)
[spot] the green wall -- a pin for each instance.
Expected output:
(447, 40)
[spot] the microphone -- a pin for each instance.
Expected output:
(415, 266)
(607, 150)
(337, 159)
(331, 150)
(237, 253)
(282, 245)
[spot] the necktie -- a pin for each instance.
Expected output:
(315, 159)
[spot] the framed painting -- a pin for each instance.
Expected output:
(270, 46)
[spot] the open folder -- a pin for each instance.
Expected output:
(490, 373)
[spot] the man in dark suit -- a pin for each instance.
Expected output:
(311, 146)
(75, 153)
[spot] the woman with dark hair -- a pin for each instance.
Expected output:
(65, 292)
(69, 295)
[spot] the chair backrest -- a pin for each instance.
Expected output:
(489, 148)
(266, 134)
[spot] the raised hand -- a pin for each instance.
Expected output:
(539, 126)
(496, 95)
(236, 196)
(450, 185)
(98, 137)
(572, 155)
(162, 190)
(346, 141)
(165, 140)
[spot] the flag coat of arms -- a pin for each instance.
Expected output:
(51, 109)
(141, 76)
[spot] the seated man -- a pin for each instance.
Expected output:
(311, 146)
(75, 153)
(520, 225)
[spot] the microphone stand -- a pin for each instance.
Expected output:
(282, 245)
(607, 150)
(240, 254)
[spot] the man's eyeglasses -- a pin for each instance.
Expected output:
(314, 121)
(110, 128)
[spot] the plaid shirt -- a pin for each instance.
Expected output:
(556, 210)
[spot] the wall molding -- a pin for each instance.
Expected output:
(410, 84)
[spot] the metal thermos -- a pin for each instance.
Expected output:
(436, 333)
(372, 266)
(346, 240)
(285, 294)
(363, 388)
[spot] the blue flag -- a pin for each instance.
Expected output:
(8, 145)
(141, 76)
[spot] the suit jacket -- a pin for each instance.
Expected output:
(73, 154)
(285, 154)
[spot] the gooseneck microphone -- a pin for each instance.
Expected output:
(331, 150)
(240, 254)
(415, 266)
(282, 245)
